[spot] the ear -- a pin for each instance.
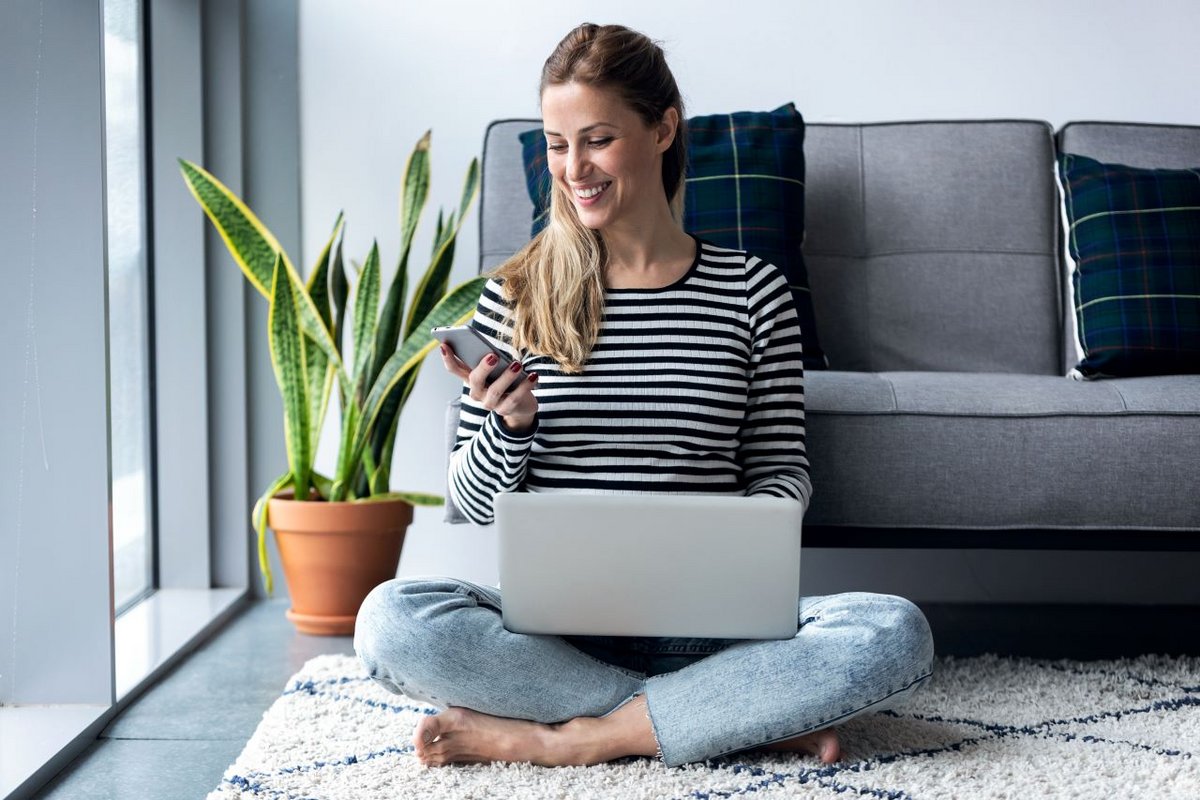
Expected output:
(667, 129)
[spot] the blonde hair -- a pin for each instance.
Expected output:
(555, 284)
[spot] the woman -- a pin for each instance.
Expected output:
(657, 362)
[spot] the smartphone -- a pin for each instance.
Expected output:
(471, 346)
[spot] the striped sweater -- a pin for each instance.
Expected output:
(693, 388)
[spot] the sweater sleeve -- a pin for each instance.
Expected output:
(487, 458)
(771, 448)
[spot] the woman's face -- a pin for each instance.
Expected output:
(595, 141)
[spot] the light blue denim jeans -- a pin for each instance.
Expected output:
(441, 641)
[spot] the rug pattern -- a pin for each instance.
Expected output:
(982, 727)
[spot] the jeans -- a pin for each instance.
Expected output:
(441, 641)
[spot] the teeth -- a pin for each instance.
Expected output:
(585, 194)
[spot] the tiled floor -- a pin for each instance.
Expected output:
(175, 741)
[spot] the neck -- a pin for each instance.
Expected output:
(646, 247)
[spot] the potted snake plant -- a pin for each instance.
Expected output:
(340, 535)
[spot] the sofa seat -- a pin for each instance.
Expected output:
(1002, 451)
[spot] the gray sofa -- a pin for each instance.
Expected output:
(941, 295)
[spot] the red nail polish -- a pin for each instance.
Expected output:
(491, 359)
(514, 366)
(533, 377)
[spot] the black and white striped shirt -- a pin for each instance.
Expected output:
(693, 388)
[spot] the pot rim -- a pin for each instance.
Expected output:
(289, 496)
(343, 516)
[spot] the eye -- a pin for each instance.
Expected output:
(600, 142)
(556, 147)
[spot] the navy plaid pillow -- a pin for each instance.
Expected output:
(744, 189)
(1134, 240)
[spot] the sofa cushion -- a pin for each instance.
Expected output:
(744, 189)
(1133, 245)
(537, 177)
(1000, 451)
(984, 451)
(1136, 144)
(933, 245)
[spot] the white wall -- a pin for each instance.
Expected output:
(376, 75)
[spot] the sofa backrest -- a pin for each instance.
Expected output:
(506, 212)
(1133, 144)
(933, 245)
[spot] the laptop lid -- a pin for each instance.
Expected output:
(649, 564)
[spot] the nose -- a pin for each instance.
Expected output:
(577, 164)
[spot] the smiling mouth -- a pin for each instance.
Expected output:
(587, 194)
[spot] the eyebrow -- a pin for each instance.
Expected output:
(582, 130)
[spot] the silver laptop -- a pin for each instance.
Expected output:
(649, 564)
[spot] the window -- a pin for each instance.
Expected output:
(128, 321)
(89, 184)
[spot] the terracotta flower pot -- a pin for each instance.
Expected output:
(334, 554)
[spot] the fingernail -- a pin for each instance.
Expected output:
(533, 377)
(444, 350)
(514, 367)
(491, 359)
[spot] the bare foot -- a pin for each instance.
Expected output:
(823, 744)
(462, 736)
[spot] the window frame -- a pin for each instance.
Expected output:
(212, 94)
(149, 566)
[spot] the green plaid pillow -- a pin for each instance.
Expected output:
(744, 189)
(1134, 243)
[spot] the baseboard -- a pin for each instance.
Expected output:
(1083, 632)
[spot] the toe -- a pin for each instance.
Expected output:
(426, 731)
(432, 755)
(830, 750)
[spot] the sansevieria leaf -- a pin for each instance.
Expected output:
(383, 435)
(382, 481)
(415, 190)
(317, 284)
(319, 375)
(366, 310)
(437, 233)
(254, 249)
(252, 246)
(433, 283)
(456, 308)
(446, 233)
(259, 517)
(428, 292)
(414, 193)
(470, 185)
(347, 460)
(339, 288)
(388, 333)
(287, 359)
(414, 498)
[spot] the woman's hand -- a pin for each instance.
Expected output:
(518, 408)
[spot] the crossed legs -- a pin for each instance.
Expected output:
(516, 697)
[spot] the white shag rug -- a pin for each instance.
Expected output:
(983, 727)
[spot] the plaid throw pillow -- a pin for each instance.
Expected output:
(1134, 245)
(744, 189)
